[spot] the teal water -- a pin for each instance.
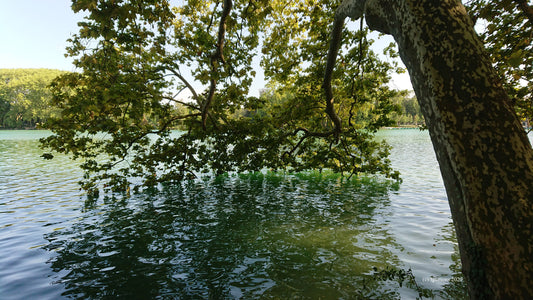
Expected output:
(242, 237)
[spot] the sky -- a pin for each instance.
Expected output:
(34, 33)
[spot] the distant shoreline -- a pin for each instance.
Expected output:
(24, 128)
(402, 127)
(385, 128)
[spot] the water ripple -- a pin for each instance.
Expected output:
(242, 237)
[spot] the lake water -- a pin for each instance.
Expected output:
(241, 237)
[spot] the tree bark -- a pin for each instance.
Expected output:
(484, 154)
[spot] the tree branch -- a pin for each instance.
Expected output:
(187, 84)
(181, 102)
(348, 8)
(526, 9)
(217, 56)
(306, 135)
(336, 36)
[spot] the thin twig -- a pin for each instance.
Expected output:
(181, 102)
(187, 84)
(307, 134)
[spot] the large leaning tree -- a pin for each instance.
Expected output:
(119, 109)
(485, 157)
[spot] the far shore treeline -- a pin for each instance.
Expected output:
(25, 97)
(25, 100)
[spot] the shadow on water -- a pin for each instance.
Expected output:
(455, 287)
(249, 236)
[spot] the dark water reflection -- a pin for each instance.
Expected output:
(254, 236)
(249, 237)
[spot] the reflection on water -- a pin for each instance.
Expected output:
(248, 236)
(256, 236)
(455, 287)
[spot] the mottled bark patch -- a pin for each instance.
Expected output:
(485, 156)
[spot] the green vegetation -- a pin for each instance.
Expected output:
(25, 97)
(135, 59)
(328, 95)
(409, 113)
(508, 34)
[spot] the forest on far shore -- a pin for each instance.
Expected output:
(25, 100)
(25, 97)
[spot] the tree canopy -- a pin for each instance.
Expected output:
(507, 32)
(137, 58)
(145, 67)
(327, 96)
(25, 97)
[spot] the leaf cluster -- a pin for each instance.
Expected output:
(137, 61)
(402, 276)
(508, 37)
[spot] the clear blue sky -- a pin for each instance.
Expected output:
(34, 33)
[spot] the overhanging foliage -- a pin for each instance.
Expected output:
(135, 57)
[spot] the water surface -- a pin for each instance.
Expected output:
(253, 236)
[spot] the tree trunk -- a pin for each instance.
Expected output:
(485, 157)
